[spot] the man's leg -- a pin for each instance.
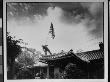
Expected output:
(49, 52)
(45, 52)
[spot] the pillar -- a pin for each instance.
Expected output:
(56, 73)
(48, 72)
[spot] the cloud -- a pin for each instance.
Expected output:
(71, 30)
(90, 13)
(95, 18)
(54, 13)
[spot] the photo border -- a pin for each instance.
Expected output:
(105, 38)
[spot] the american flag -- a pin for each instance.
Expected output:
(51, 31)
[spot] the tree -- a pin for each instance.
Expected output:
(73, 72)
(26, 59)
(13, 50)
(25, 74)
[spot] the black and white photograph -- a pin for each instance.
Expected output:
(55, 40)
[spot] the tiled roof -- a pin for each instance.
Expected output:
(55, 56)
(85, 56)
(91, 55)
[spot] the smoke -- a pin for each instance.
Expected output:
(95, 19)
(72, 31)
(54, 13)
(93, 7)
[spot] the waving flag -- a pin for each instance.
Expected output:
(51, 31)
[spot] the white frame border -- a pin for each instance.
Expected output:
(60, 80)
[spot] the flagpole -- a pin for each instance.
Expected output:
(46, 38)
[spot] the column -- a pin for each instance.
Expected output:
(48, 72)
(56, 72)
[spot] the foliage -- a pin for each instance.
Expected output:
(25, 61)
(13, 50)
(28, 57)
(73, 72)
(25, 74)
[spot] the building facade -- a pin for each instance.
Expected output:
(84, 65)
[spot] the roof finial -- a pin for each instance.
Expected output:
(101, 45)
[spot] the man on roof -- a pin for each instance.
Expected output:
(46, 49)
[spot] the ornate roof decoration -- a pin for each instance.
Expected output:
(85, 56)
